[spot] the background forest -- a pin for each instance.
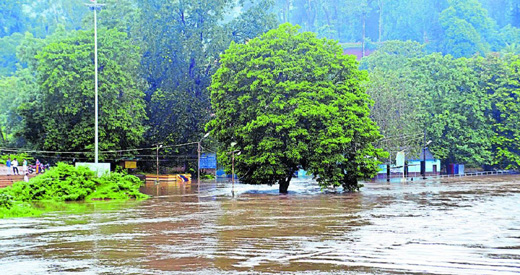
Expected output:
(446, 71)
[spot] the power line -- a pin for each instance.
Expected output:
(18, 150)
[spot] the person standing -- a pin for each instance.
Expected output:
(8, 164)
(37, 166)
(26, 177)
(15, 167)
(24, 167)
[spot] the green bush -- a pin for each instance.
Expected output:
(6, 201)
(67, 183)
(61, 183)
(118, 186)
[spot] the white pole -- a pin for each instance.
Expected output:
(96, 134)
(198, 161)
(157, 175)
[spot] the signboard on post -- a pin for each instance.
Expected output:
(130, 164)
(208, 161)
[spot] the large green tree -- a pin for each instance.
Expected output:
(8, 58)
(467, 29)
(397, 99)
(500, 77)
(15, 91)
(287, 100)
(61, 115)
(182, 41)
(454, 109)
(507, 104)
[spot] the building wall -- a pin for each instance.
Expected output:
(429, 165)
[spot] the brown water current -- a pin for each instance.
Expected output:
(456, 226)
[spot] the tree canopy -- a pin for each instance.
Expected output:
(465, 106)
(181, 53)
(287, 100)
(60, 115)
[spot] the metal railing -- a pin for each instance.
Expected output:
(417, 176)
(477, 174)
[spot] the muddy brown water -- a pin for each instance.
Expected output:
(463, 226)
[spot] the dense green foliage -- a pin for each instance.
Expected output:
(67, 183)
(466, 107)
(455, 109)
(287, 100)
(6, 201)
(61, 117)
(501, 76)
(181, 52)
(397, 98)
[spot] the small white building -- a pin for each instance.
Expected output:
(433, 165)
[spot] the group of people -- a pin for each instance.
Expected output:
(25, 168)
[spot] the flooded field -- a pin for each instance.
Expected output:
(463, 226)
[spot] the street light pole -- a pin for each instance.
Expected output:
(198, 161)
(157, 154)
(95, 6)
(424, 155)
(96, 143)
(233, 168)
(199, 149)
(424, 161)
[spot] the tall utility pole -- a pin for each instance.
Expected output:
(95, 7)
(157, 175)
(423, 162)
(199, 149)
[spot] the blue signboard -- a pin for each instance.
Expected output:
(208, 161)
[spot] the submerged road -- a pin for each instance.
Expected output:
(462, 226)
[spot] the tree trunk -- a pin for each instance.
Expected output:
(380, 20)
(515, 22)
(287, 10)
(2, 140)
(363, 35)
(284, 186)
(350, 183)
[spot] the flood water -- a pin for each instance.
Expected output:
(463, 226)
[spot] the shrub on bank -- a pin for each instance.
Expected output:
(117, 186)
(67, 183)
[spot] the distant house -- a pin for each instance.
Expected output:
(433, 165)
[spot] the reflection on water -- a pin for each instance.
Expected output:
(467, 226)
